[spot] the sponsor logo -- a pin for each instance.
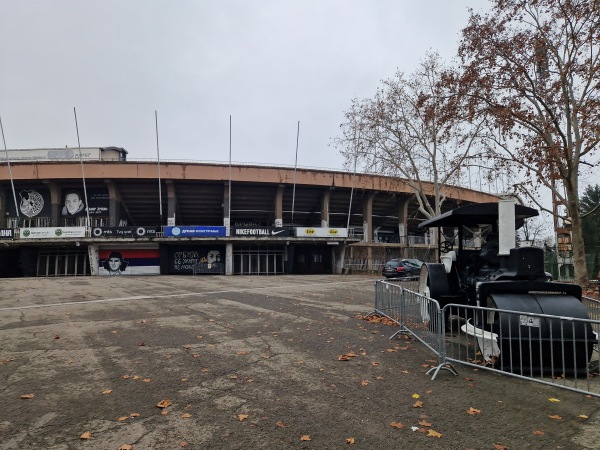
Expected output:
(176, 231)
(276, 232)
(58, 232)
(310, 231)
(333, 231)
(140, 231)
(26, 233)
(97, 232)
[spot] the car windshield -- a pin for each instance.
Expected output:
(392, 264)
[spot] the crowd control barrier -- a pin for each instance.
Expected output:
(549, 349)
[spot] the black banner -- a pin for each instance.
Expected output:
(125, 232)
(32, 202)
(261, 231)
(7, 233)
(195, 259)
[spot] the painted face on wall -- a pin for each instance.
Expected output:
(214, 256)
(114, 264)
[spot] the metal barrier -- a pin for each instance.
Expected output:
(553, 350)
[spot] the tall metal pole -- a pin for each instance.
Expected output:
(351, 193)
(229, 187)
(295, 170)
(87, 209)
(10, 173)
(158, 160)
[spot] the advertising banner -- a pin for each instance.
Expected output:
(261, 231)
(7, 233)
(195, 231)
(321, 232)
(129, 261)
(125, 232)
(52, 233)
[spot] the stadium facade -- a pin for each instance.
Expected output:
(94, 212)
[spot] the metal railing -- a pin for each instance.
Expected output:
(548, 349)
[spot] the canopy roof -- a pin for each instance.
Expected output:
(476, 214)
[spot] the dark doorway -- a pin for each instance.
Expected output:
(312, 259)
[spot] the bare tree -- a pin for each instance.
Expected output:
(531, 68)
(412, 130)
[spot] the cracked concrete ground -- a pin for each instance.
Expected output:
(247, 362)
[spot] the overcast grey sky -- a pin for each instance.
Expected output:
(267, 63)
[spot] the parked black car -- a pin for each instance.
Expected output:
(400, 268)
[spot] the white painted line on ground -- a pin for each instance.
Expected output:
(184, 294)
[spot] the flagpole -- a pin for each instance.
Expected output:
(158, 159)
(87, 205)
(10, 173)
(295, 170)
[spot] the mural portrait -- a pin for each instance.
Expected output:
(115, 264)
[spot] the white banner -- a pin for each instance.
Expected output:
(321, 232)
(52, 233)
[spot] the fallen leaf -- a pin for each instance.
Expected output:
(57, 337)
(433, 433)
(416, 396)
(27, 396)
(583, 416)
(106, 391)
(500, 447)
(183, 380)
(424, 423)
(134, 415)
(242, 417)
(555, 417)
(346, 356)
(404, 371)
(418, 404)
(305, 437)
(365, 382)
(123, 418)
(281, 424)
(125, 377)
(197, 355)
(126, 447)
(472, 411)
(186, 416)
(397, 425)
(147, 380)
(553, 400)
(164, 412)
(164, 403)
(184, 444)
(86, 435)
(538, 433)
(375, 363)
(350, 441)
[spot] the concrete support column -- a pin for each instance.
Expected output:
(338, 253)
(94, 256)
(55, 203)
(367, 213)
(279, 206)
(325, 208)
(229, 258)
(402, 208)
(226, 209)
(3, 208)
(171, 203)
(114, 204)
(368, 227)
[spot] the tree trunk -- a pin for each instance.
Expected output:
(581, 272)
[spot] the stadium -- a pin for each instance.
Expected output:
(91, 211)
